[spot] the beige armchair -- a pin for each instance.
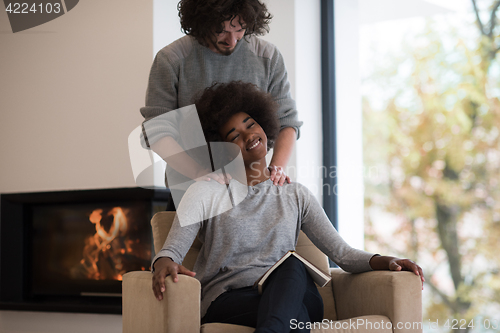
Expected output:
(379, 301)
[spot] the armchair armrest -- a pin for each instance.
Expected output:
(397, 295)
(179, 311)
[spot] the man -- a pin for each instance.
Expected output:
(220, 46)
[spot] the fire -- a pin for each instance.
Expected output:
(119, 224)
(114, 249)
(101, 254)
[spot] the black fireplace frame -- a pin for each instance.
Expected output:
(14, 246)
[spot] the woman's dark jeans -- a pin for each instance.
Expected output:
(289, 294)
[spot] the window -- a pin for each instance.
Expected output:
(418, 102)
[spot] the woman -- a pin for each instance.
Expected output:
(242, 243)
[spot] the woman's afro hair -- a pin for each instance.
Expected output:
(218, 103)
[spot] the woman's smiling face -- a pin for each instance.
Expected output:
(244, 131)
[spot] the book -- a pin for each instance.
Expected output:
(321, 278)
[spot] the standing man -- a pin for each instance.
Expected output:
(221, 45)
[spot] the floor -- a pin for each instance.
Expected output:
(54, 322)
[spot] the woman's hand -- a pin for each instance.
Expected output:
(278, 175)
(162, 268)
(396, 264)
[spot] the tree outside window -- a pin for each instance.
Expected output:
(431, 126)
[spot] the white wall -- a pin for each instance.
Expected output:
(166, 24)
(70, 93)
(296, 31)
(349, 123)
(308, 94)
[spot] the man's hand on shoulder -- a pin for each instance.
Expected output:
(278, 175)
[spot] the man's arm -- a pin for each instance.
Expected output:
(282, 152)
(172, 153)
(163, 118)
(279, 88)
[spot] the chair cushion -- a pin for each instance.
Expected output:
(368, 324)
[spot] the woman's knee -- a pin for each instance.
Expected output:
(292, 265)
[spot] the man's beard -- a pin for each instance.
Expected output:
(225, 51)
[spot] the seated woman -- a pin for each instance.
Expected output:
(242, 243)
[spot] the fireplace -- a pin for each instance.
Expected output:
(67, 251)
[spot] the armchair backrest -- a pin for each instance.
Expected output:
(162, 222)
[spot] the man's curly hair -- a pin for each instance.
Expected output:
(221, 101)
(200, 18)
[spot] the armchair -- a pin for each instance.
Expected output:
(378, 301)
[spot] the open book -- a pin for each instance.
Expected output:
(321, 278)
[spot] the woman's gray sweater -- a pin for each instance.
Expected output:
(242, 243)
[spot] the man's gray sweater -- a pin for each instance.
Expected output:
(185, 68)
(242, 243)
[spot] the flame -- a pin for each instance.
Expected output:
(99, 246)
(110, 252)
(119, 224)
